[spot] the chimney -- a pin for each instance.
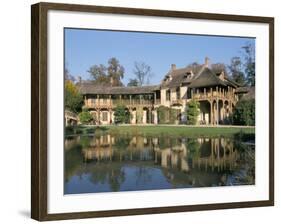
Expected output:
(173, 66)
(207, 62)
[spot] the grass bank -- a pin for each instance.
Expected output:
(160, 130)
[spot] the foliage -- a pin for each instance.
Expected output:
(195, 67)
(68, 76)
(219, 67)
(85, 117)
(167, 115)
(121, 114)
(193, 147)
(133, 82)
(236, 71)
(250, 63)
(73, 99)
(244, 113)
(108, 75)
(98, 74)
(115, 72)
(142, 72)
(192, 112)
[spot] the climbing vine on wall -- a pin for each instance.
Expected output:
(167, 115)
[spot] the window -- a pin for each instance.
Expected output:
(168, 94)
(104, 116)
(178, 93)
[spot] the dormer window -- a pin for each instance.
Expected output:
(188, 75)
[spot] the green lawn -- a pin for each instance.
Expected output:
(162, 130)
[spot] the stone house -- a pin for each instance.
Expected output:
(216, 93)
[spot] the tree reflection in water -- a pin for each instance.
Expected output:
(124, 163)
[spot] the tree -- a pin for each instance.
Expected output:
(133, 82)
(142, 72)
(192, 112)
(85, 117)
(250, 63)
(236, 71)
(73, 99)
(218, 68)
(98, 74)
(115, 72)
(194, 67)
(107, 75)
(121, 114)
(244, 112)
(68, 76)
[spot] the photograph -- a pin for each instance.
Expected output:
(157, 111)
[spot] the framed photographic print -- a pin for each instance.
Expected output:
(139, 111)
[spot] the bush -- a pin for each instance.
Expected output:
(192, 112)
(121, 114)
(85, 117)
(73, 99)
(167, 115)
(244, 113)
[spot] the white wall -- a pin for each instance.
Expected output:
(15, 112)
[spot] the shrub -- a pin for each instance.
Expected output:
(85, 117)
(244, 113)
(192, 112)
(167, 115)
(121, 114)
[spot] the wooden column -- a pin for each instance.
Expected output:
(217, 105)
(110, 117)
(98, 115)
(149, 115)
(211, 112)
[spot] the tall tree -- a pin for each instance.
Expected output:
(194, 67)
(73, 99)
(250, 63)
(219, 67)
(133, 82)
(107, 75)
(115, 72)
(142, 72)
(235, 68)
(98, 74)
(67, 75)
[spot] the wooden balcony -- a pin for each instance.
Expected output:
(214, 95)
(111, 103)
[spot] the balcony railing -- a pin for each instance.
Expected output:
(112, 102)
(213, 94)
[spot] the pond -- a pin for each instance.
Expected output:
(116, 162)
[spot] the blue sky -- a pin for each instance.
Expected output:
(84, 48)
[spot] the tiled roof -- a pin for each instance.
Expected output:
(207, 78)
(90, 88)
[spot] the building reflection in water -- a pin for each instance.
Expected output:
(181, 162)
(213, 153)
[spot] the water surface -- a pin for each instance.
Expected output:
(107, 163)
